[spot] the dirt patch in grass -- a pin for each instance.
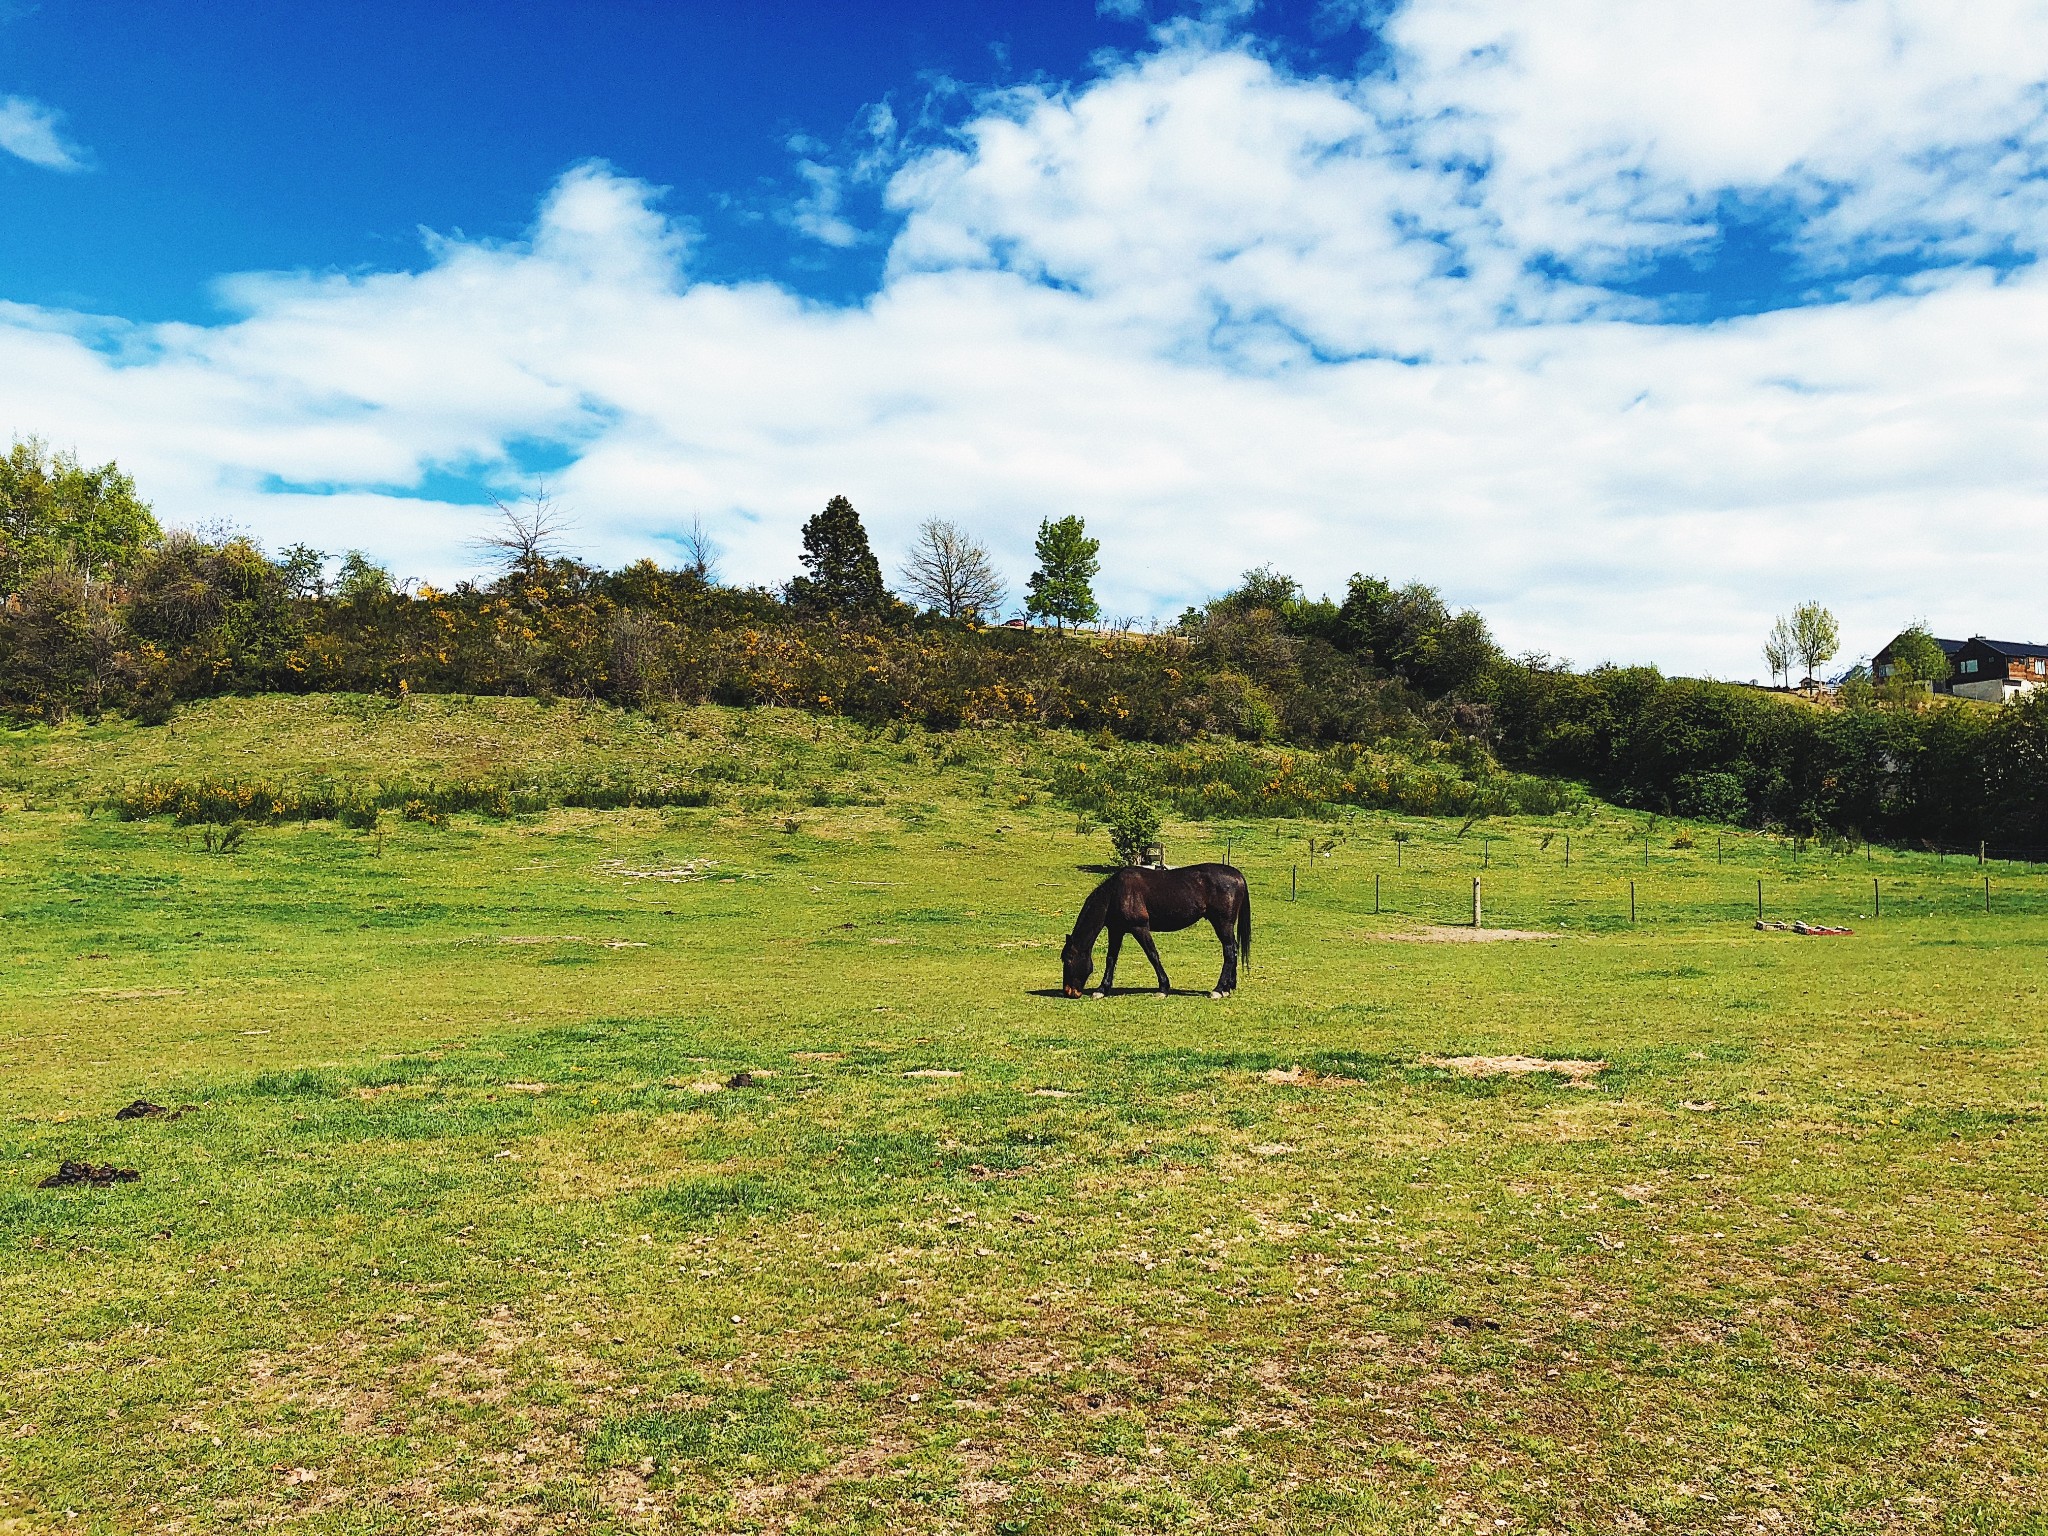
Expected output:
(571, 938)
(1578, 1074)
(1306, 1077)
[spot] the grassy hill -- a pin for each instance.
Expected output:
(478, 1225)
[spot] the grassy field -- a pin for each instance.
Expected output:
(477, 1227)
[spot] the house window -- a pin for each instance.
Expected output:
(1968, 666)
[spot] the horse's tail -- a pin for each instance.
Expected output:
(1244, 928)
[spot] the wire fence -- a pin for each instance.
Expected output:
(1601, 882)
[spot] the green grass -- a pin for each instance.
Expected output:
(467, 1231)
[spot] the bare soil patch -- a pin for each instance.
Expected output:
(572, 938)
(1579, 1074)
(1306, 1077)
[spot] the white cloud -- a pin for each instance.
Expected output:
(33, 132)
(1228, 316)
(1606, 128)
(818, 214)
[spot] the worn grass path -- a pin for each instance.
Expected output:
(467, 1231)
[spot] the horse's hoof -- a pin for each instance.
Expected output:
(1162, 993)
(1218, 996)
(1098, 994)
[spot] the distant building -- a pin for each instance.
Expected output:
(1990, 671)
(1997, 670)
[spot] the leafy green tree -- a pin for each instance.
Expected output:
(303, 569)
(57, 513)
(362, 579)
(1816, 637)
(844, 575)
(1917, 657)
(1410, 632)
(1779, 650)
(1063, 587)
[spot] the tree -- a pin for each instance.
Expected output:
(1411, 632)
(362, 579)
(57, 513)
(700, 552)
(303, 570)
(844, 575)
(62, 645)
(1779, 649)
(951, 574)
(527, 534)
(1062, 588)
(1917, 657)
(1816, 637)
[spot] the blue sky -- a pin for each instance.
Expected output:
(1631, 324)
(231, 137)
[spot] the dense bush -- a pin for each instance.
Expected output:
(195, 801)
(1263, 702)
(1224, 779)
(1935, 770)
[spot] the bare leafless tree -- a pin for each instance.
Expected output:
(700, 551)
(528, 532)
(950, 573)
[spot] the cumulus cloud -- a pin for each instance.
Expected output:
(33, 132)
(1228, 315)
(1603, 129)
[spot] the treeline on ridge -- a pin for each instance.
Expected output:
(102, 610)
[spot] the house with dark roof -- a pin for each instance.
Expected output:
(1997, 670)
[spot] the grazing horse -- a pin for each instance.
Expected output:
(1137, 901)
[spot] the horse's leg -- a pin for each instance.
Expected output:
(1227, 936)
(1144, 938)
(1116, 942)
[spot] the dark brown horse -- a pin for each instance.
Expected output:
(1138, 901)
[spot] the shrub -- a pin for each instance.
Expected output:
(1715, 796)
(1133, 827)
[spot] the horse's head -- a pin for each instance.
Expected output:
(1077, 964)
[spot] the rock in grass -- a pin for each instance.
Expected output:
(97, 1174)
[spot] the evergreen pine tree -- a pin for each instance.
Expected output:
(1062, 589)
(844, 576)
